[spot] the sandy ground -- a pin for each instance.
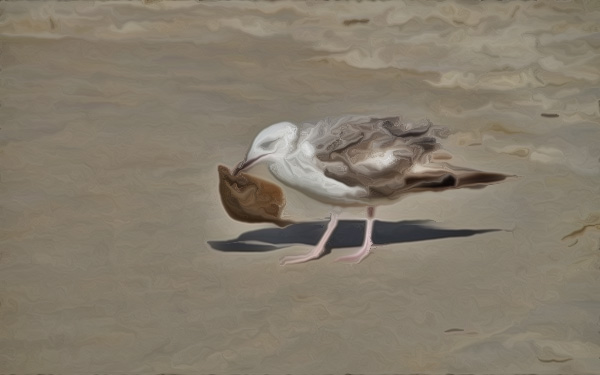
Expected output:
(114, 117)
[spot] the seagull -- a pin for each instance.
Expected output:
(354, 161)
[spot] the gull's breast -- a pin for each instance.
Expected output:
(303, 171)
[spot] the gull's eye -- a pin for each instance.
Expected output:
(267, 144)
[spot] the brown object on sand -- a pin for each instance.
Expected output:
(251, 199)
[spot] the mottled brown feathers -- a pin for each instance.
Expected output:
(346, 153)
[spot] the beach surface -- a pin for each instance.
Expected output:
(115, 115)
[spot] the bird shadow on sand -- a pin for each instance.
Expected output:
(348, 233)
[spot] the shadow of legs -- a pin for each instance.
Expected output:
(348, 233)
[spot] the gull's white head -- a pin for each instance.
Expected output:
(270, 144)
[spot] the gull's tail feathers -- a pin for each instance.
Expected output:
(452, 177)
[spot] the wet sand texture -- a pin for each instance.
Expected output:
(117, 256)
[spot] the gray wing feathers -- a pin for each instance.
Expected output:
(379, 153)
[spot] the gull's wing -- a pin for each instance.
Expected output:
(388, 157)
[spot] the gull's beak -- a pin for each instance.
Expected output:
(240, 167)
(244, 164)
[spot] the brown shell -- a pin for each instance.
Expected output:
(251, 199)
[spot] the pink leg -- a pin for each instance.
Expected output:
(318, 250)
(364, 251)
